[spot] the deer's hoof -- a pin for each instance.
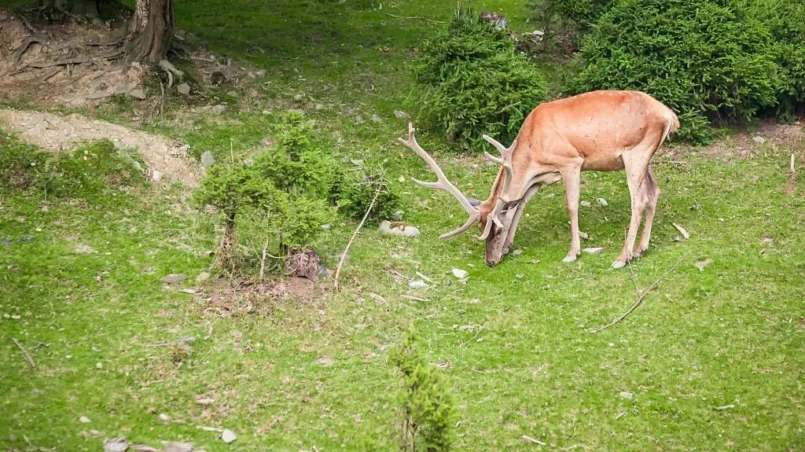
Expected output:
(570, 258)
(618, 264)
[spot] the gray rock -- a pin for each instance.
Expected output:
(359, 119)
(171, 446)
(397, 215)
(603, 202)
(326, 227)
(299, 97)
(459, 273)
(401, 114)
(405, 231)
(174, 278)
(156, 176)
(517, 252)
(319, 106)
(585, 204)
(417, 284)
(626, 395)
(183, 88)
(592, 250)
(228, 436)
(203, 276)
(376, 119)
(218, 109)
(137, 93)
(259, 74)
(207, 159)
(115, 445)
(759, 140)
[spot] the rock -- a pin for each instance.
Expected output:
(682, 231)
(459, 273)
(218, 109)
(84, 420)
(228, 436)
(602, 202)
(626, 395)
(401, 114)
(259, 74)
(701, 264)
(517, 252)
(137, 93)
(359, 119)
(115, 445)
(759, 140)
(183, 88)
(174, 278)
(406, 231)
(156, 176)
(417, 284)
(585, 204)
(267, 112)
(207, 159)
(592, 250)
(171, 446)
(376, 119)
(397, 215)
(326, 227)
(299, 97)
(319, 106)
(81, 249)
(164, 417)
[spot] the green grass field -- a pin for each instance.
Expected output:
(713, 360)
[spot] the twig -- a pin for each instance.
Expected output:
(415, 18)
(354, 234)
(413, 298)
(27, 356)
(263, 260)
(532, 440)
(162, 103)
(725, 407)
(209, 333)
(642, 296)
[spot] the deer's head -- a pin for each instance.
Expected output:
(495, 215)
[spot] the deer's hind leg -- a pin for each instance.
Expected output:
(651, 193)
(635, 163)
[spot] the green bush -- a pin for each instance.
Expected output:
(356, 190)
(707, 60)
(426, 406)
(475, 82)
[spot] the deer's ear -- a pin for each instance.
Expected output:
(474, 202)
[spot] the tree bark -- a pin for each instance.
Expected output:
(150, 31)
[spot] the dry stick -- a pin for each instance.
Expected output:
(355, 234)
(414, 18)
(641, 297)
(27, 356)
(263, 260)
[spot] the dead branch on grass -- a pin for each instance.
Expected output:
(641, 296)
(354, 234)
(24, 352)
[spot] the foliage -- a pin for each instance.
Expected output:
(565, 22)
(427, 408)
(704, 59)
(475, 82)
(88, 170)
(355, 192)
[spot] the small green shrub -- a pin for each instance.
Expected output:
(356, 190)
(707, 60)
(426, 406)
(475, 82)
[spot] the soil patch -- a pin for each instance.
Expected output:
(234, 296)
(55, 133)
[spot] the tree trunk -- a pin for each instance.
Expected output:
(150, 31)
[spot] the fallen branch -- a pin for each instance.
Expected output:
(354, 234)
(532, 440)
(415, 18)
(27, 356)
(642, 296)
(792, 175)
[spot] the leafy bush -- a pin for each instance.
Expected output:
(89, 170)
(475, 82)
(426, 406)
(356, 190)
(565, 22)
(706, 60)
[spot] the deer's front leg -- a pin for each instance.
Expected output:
(572, 180)
(517, 215)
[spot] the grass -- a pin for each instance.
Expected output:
(713, 359)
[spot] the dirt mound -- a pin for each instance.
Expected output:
(55, 133)
(229, 297)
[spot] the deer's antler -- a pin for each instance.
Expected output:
(442, 183)
(504, 160)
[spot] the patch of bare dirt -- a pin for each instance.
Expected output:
(164, 157)
(244, 296)
(745, 144)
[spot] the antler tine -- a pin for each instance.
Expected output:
(441, 183)
(505, 159)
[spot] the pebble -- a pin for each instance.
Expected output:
(174, 278)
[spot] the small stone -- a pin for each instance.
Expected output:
(174, 278)
(183, 88)
(171, 446)
(592, 250)
(459, 273)
(299, 97)
(406, 231)
(326, 227)
(164, 417)
(99, 365)
(359, 119)
(585, 204)
(260, 73)
(228, 436)
(417, 284)
(156, 176)
(319, 106)
(517, 252)
(207, 159)
(626, 395)
(759, 140)
(397, 215)
(115, 445)
(81, 249)
(602, 202)
(84, 420)
(401, 114)
(701, 264)
(401, 178)
(376, 119)
(137, 93)
(218, 109)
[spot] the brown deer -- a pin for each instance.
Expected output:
(599, 131)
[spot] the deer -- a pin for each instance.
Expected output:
(605, 130)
